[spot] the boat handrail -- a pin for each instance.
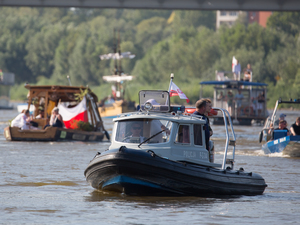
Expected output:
(273, 115)
(226, 115)
(280, 101)
(185, 115)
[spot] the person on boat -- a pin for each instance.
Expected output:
(229, 98)
(260, 103)
(40, 115)
(200, 111)
(238, 99)
(281, 117)
(295, 128)
(22, 120)
(56, 119)
(136, 131)
(254, 105)
(156, 126)
(248, 68)
(221, 97)
(237, 70)
(282, 126)
(247, 76)
(109, 100)
(207, 110)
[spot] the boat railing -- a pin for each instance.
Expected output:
(229, 142)
(280, 101)
(174, 114)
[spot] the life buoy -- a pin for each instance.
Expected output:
(192, 110)
(261, 134)
(213, 112)
(248, 108)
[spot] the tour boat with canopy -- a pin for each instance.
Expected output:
(160, 151)
(244, 100)
(77, 106)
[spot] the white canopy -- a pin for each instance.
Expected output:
(117, 78)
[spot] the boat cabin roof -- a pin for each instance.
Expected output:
(233, 83)
(174, 117)
(57, 92)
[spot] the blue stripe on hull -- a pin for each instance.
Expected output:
(134, 186)
(277, 146)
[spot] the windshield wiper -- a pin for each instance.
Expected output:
(154, 135)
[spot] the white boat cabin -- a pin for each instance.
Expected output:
(164, 129)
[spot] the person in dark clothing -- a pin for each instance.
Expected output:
(56, 119)
(295, 128)
(282, 126)
(207, 110)
(200, 111)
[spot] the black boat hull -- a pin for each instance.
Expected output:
(135, 172)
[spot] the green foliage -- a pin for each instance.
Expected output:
(80, 96)
(45, 45)
(287, 22)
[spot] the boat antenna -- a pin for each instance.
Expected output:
(115, 51)
(171, 81)
(119, 51)
(68, 77)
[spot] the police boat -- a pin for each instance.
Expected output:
(160, 151)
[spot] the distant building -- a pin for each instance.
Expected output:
(260, 17)
(229, 17)
(226, 17)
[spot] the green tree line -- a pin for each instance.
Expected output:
(45, 45)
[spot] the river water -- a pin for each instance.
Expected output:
(43, 183)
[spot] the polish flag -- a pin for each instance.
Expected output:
(234, 63)
(175, 91)
(72, 115)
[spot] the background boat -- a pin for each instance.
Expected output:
(116, 103)
(252, 109)
(78, 109)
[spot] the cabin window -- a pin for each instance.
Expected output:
(198, 134)
(137, 131)
(183, 134)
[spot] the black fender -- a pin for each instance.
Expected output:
(261, 134)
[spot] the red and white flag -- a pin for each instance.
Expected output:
(72, 115)
(234, 63)
(175, 91)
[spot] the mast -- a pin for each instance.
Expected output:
(115, 72)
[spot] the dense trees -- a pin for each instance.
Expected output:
(45, 45)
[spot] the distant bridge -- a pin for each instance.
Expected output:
(234, 5)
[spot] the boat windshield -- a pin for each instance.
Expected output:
(137, 131)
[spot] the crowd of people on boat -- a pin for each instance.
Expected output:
(25, 121)
(282, 126)
(246, 71)
(238, 101)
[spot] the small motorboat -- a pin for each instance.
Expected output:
(160, 151)
(279, 142)
(85, 123)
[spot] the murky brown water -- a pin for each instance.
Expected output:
(43, 183)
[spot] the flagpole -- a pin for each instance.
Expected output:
(171, 81)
